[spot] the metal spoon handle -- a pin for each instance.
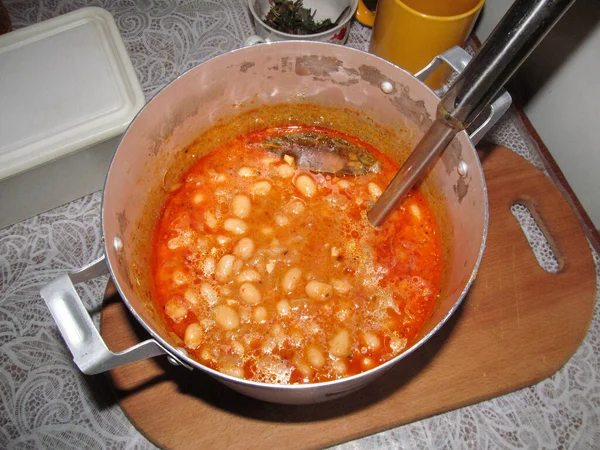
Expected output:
(514, 38)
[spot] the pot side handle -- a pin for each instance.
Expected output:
(457, 58)
(89, 351)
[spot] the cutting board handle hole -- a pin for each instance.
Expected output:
(545, 255)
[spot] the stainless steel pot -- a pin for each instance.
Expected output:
(379, 95)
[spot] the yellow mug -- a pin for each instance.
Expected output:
(410, 33)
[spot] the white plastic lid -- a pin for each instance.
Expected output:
(65, 84)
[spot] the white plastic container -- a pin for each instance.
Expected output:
(66, 85)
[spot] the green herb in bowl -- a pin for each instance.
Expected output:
(291, 17)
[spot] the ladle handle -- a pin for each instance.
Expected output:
(514, 38)
(457, 59)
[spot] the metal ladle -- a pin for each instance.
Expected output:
(513, 39)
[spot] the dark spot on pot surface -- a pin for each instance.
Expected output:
(317, 66)
(123, 267)
(351, 72)
(123, 222)
(374, 77)
(461, 189)
(452, 156)
(246, 65)
(346, 83)
(413, 110)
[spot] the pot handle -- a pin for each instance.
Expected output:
(457, 58)
(89, 351)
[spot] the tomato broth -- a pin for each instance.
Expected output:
(272, 273)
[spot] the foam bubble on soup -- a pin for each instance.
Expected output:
(273, 274)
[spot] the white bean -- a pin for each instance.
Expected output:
(245, 314)
(233, 371)
(238, 348)
(247, 172)
(339, 366)
(278, 332)
(397, 344)
(235, 226)
(210, 219)
(179, 277)
(197, 198)
(241, 206)
(226, 317)
(175, 310)
(312, 328)
(306, 185)
(283, 307)
(206, 354)
(224, 268)
(193, 335)
(416, 211)
(209, 266)
(290, 279)
(248, 275)
(296, 338)
(315, 356)
(281, 220)
(296, 207)
(343, 184)
(207, 324)
(209, 294)
(250, 294)
(201, 246)
(260, 188)
(267, 231)
(183, 240)
(318, 290)
(244, 248)
(298, 303)
(260, 314)
(222, 240)
(371, 340)
(341, 286)
(289, 159)
(343, 314)
(303, 367)
(339, 345)
(191, 297)
(285, 171)
(374, 190)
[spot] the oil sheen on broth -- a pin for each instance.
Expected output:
(273, 274)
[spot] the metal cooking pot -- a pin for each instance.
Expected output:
(375, 98)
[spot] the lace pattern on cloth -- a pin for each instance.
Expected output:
(48, 403)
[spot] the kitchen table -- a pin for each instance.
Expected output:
(48, 403)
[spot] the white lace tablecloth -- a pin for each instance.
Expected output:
(47, 403)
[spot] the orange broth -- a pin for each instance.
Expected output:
(273, 274)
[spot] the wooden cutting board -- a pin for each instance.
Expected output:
(518, 325)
